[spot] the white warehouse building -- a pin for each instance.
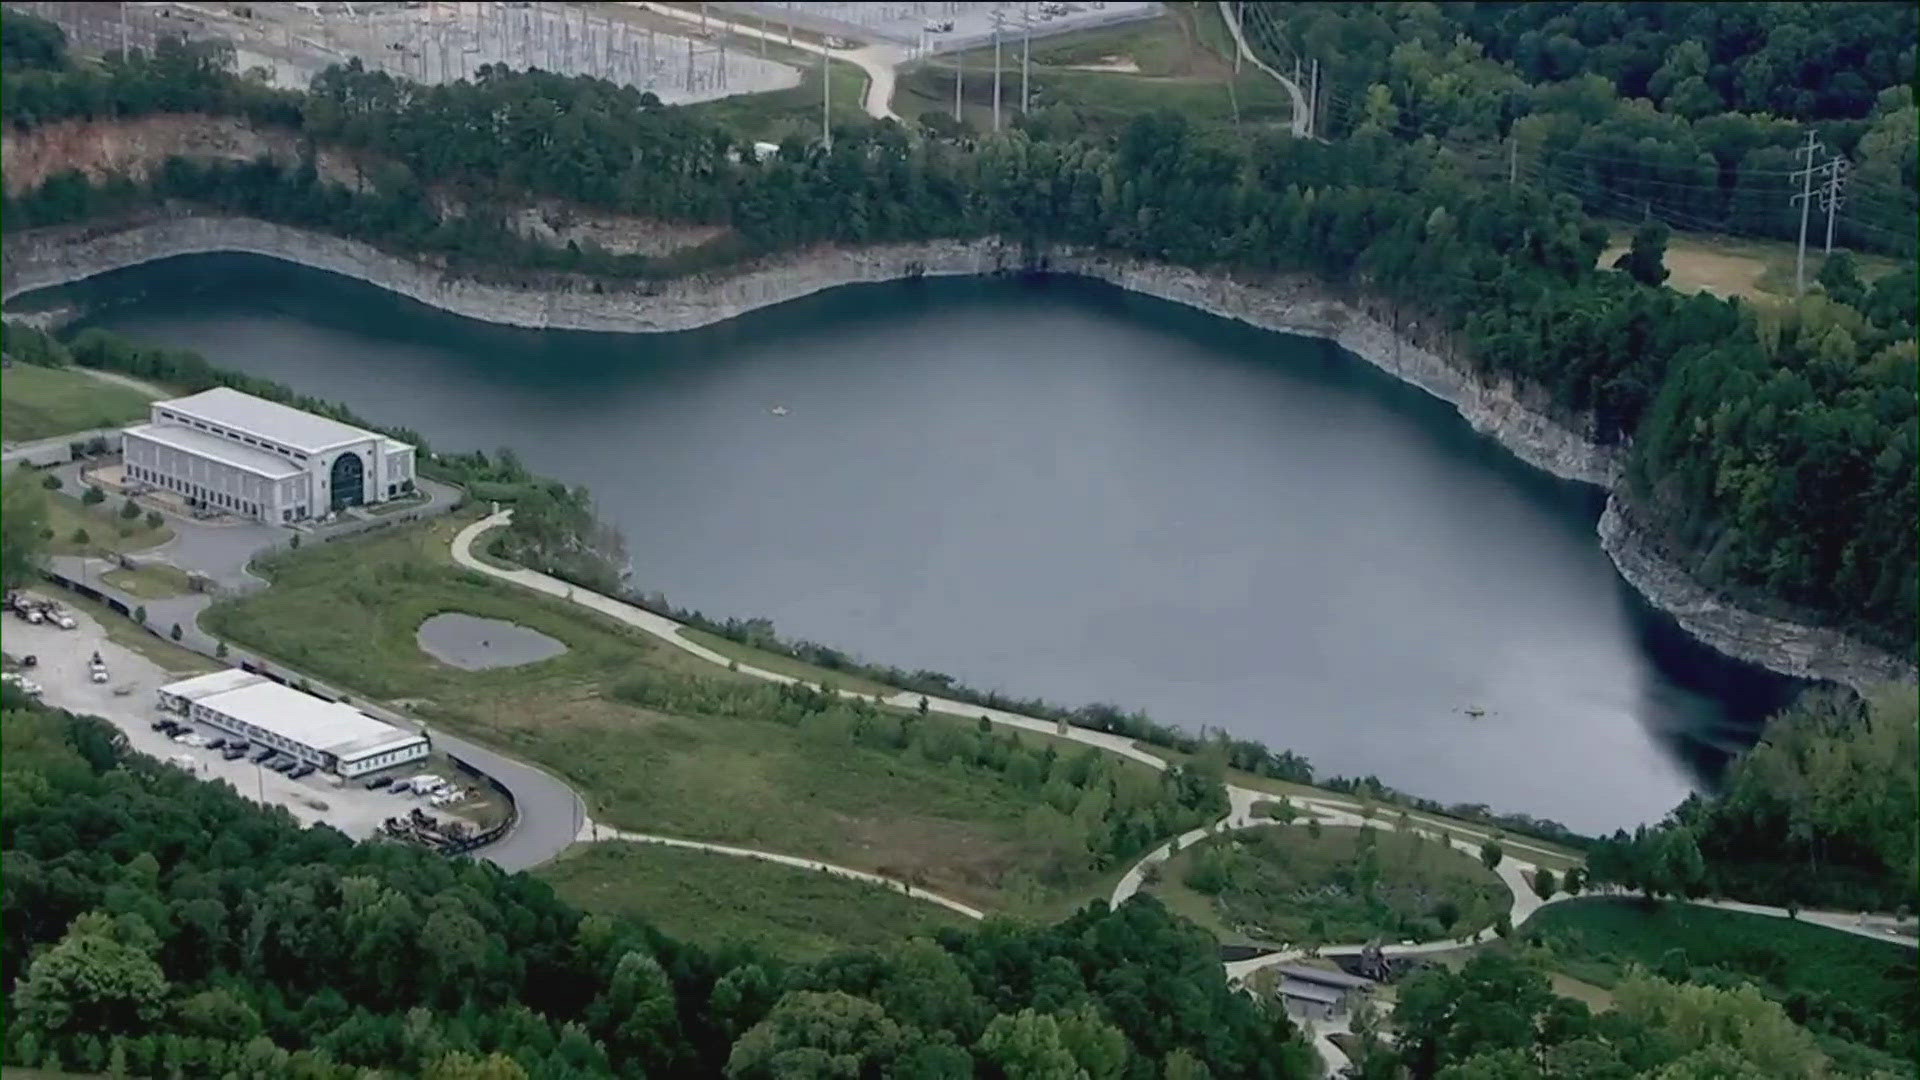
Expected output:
(330, 735)
(238, 454)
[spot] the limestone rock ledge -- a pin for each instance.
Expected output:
(46, 258)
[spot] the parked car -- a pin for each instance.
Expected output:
(285, 764)
(379, 782)
(305, 768)
(265, 753)
(216, 743)
(160, 725)
(232, 752)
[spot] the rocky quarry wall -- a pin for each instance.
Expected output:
(47, 258)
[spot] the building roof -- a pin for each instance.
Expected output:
(1306, 991)
(213, 682)
(303, 431)
(1341, 979)
(226, 451)
(327, 726)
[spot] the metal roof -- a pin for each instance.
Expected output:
(213, 682)
(226, 451)
(327, 726)
(303, 431)
(1306, 991)
(1324, 977)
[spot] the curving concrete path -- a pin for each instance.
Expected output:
(592, 832)
(1301, 120)
(877, 61)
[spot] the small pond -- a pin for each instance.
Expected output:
(476, 644)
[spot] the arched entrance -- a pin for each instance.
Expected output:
(347, 483)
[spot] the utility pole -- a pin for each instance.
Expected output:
(996, 67)
(826, 100)
(959, 76)
(1805, 199)
(1026, 57)
(1830, 197)
(1313, 101)
(1513, 159)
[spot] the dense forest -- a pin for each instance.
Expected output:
(155, 924)
(1774, 453)
(1823, 812)
(1685, 112)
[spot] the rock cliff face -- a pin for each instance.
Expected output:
(47, 258)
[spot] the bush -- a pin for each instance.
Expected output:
(154, 520)
(1543, 883)
(80, 537)
(175, 632)
(1491, 853)
(220, 650)
(94, 496)
(51, 483)
(130, 509)
(140, 614)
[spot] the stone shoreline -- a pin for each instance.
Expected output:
(47, 258)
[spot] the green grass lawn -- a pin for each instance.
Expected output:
(1857, 995)
(41, 402)
(772, 116)
(348, 613)
(106, 531)
(712, 900)
(154, 581)
(1181, 61)
(1282, 885)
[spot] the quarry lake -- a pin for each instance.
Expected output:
(1061, 490)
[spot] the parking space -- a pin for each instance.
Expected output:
(126, 699)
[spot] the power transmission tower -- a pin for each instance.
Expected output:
(1830, 197)
(1805, 200)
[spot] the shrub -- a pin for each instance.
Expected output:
(80, 536)
(220, 650)
(51, 483)
(94, 496)
(1543, 883)
(140, 614)
(1491, 854)
(175, 632)
(130, 509)
(154, 519)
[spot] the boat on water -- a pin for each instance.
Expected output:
(778, 410)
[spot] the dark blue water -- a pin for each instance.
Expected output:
(1060, 489)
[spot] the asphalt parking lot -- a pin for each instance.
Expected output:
(127, 701)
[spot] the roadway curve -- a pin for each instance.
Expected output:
(877, 61)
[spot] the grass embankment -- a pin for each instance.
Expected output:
(104, 530)
(1858, 996)
(126, 633)
(713, 900)
(1284, 885)
(41, 402)
(1181, 61)
(348, 613)
(786, 665)
(154, 581)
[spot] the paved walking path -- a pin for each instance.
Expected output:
(591, 831)
(1302, 119)
(877, 61)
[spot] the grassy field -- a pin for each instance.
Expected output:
(1556, 857)
(1726, 266)
(1180, 61)
(106, 530)
(348, 613)
(1282, 884)
(154, 581)
(712, 899)
(40, 402)
(124, 632)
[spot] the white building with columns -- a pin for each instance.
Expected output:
(237, 454)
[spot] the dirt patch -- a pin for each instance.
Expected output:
(1694, 268)
(134, 148)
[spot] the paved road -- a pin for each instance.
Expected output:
(591, 832)
(1301, 116)
(878, 61)
(20, 450)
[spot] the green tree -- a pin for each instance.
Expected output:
(1028, 1046)
(1544, 884)
(23, 523)
(459, 1065)
(811, 1033)
(1491, 854)
(1645, 261)
(129, 509)
(90, 981)
(175, 632)
(154, 520)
